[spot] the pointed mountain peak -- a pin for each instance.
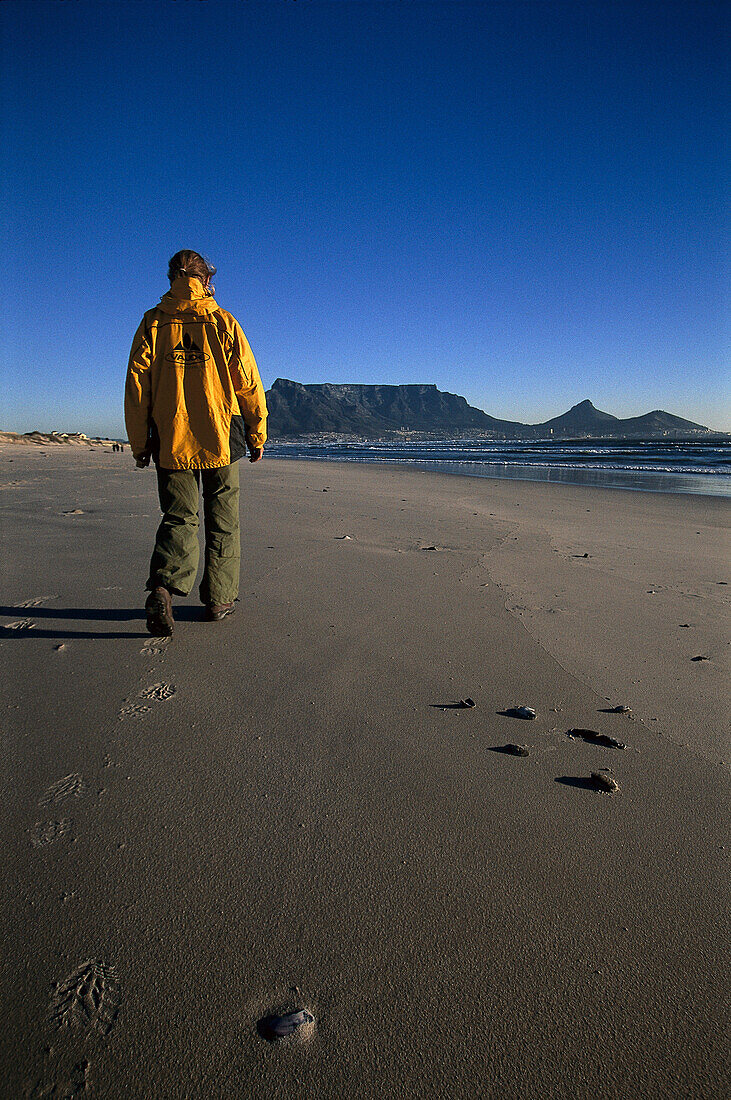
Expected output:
(583, 417)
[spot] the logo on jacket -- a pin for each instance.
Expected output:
(186, 353)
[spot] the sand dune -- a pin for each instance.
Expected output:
(45, 439)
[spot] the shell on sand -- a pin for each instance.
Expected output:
(523, 712)
(282, 1027)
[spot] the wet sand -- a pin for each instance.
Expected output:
(289, 810)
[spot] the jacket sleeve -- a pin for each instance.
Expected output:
(137, 392)
(248, 388)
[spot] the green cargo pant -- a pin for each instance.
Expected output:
(175, 557)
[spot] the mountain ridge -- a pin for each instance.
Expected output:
(299, 409)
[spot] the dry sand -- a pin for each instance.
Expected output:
(286, 810)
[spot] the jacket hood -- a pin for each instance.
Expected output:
(187, 295)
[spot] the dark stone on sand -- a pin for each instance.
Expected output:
(467, 703)
(700, 658)
(604, 783)
(275, 1027)
(621, 709)
(593, 737)
(516, 750)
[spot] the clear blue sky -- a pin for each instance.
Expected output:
(522, 202)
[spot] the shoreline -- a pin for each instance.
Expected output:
(687, 485)
(289, 810)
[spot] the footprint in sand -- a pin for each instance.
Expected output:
(71, 786)
(44, 833)
(158, 693)
(133, 710)
(88, 998)
(36, 601)
(70, 1086)
(153, 647)
(20, 624)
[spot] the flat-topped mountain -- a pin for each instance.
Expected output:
(296, 409)
(373, 412)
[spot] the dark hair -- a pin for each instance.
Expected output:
(191, 264)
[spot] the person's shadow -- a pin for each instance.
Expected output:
(81, 615)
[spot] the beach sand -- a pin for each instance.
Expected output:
(288, 810)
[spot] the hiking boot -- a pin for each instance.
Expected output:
(159, 608)
(217, 611)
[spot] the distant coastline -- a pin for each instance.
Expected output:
(335, 412)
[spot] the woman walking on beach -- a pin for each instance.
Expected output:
(194, 403)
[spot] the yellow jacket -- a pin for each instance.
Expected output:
(192, 384)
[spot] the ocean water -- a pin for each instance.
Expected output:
(655, 466)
